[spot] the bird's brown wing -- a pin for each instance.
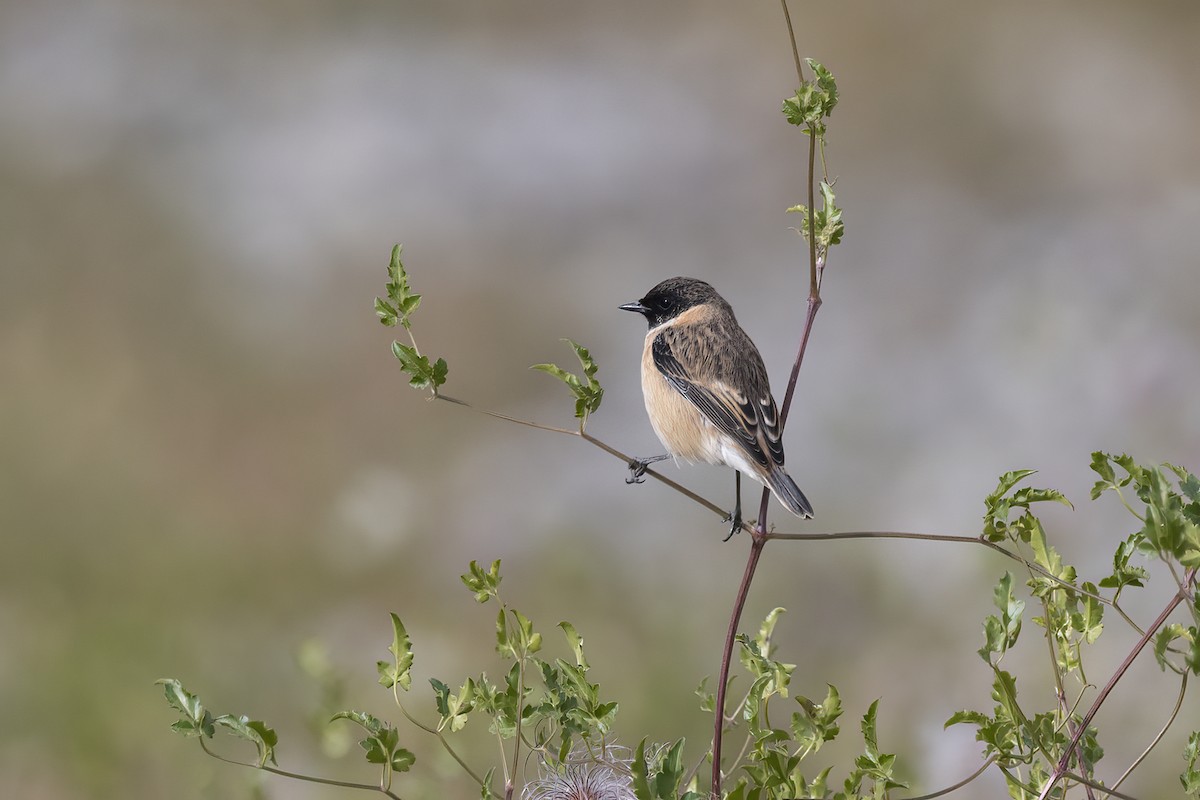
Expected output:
(721, 373)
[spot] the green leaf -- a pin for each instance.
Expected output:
(813, 101)
(1190, 777)
(1000, 633)
(870, 739)
(763, 640)
(196, 719)
(639, 772)
(968, 717)
(382, 743)
(367, 722)
(828, 225)
(254, 731)
(588, 392)
(1090, 623)
(817, 725)
(421, 373)
(403, 301)
(400, 671)
(1124, 575)
(576, 643)
(1102, 465)
(485, 585)
(402, 760)
(388, 314)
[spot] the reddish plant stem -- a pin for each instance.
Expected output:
(756, 547)
(759, 535)
(1065, 761)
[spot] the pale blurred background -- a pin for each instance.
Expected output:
(209, 456)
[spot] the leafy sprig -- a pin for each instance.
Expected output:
(398, 309)
(587, 390)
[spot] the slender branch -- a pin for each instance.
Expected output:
(1154, 743)
(957, 786)
(792, 36)
(939, 537)
(441, 738)
(366, 787)
(506, 418)
(756, 547)
(1091, 784)
(510, 784)
(1061, 768)
(688, 493)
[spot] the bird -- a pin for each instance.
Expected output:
(707, 393)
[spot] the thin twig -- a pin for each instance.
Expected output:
(366, 787)
(792, 36)
(1154, 743)
(957, 786)
(441, 738)
(1061, 768)
(756, 547)
(1091, 784)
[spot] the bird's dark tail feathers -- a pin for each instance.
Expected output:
(788, 493)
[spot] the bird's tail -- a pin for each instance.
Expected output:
(788, 493)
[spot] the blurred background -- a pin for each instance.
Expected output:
(209, 456)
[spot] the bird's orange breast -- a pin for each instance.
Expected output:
(680, 426)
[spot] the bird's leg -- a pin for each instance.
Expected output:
(637, 467)
(736, 516)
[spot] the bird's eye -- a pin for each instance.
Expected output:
(662, 303)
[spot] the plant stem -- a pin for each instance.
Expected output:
(958, 785)
(1061, 768)
(1158, 738)
(792, 36)
(366, 787)
(757, 542)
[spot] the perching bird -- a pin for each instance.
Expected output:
(706, 390)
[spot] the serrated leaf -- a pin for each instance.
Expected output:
(400, 671)
(196, 719)
(576, 643)
(968, 717)
(403, 301)
(639, 773)
(254, 731)
(1092, 615)
(371, 724)
(485, 584)
(766, 629)
(588, 392)
(421, 373)
(870, 738)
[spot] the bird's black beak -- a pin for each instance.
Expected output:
(636, 306)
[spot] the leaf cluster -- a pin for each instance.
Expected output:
(774, 768)
(1029, 746)
(827, 226)
(814, 101)
(398, 309)
(196, 721)
(587, 390)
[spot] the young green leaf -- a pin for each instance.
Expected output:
(485, 584)
(421, 373)
(254, 731)
(576, 643)
(1190, 777)
(400, 670)
(196, 719)
(403, 302)
(588, 392)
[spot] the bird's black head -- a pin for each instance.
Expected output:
(671, 298)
